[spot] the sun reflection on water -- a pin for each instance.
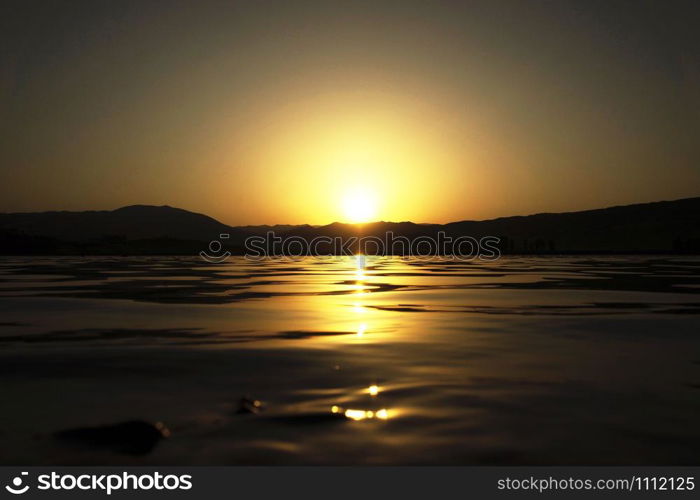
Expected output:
(360, 263)
(354, 414)
(361, 313)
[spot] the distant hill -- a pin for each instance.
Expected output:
(664, 226)
(137, 229)
(132, 222)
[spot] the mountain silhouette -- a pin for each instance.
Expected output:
(664, 226)
(132, 222)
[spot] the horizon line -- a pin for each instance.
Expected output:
(243, 226)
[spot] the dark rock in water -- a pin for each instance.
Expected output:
(249, 405)
(134, 437)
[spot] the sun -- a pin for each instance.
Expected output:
(359, 205)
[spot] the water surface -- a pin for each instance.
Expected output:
(557, 360)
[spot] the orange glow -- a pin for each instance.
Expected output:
(340, 156)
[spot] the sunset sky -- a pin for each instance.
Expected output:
(259, 112)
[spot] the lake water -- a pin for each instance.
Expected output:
(557, 360)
